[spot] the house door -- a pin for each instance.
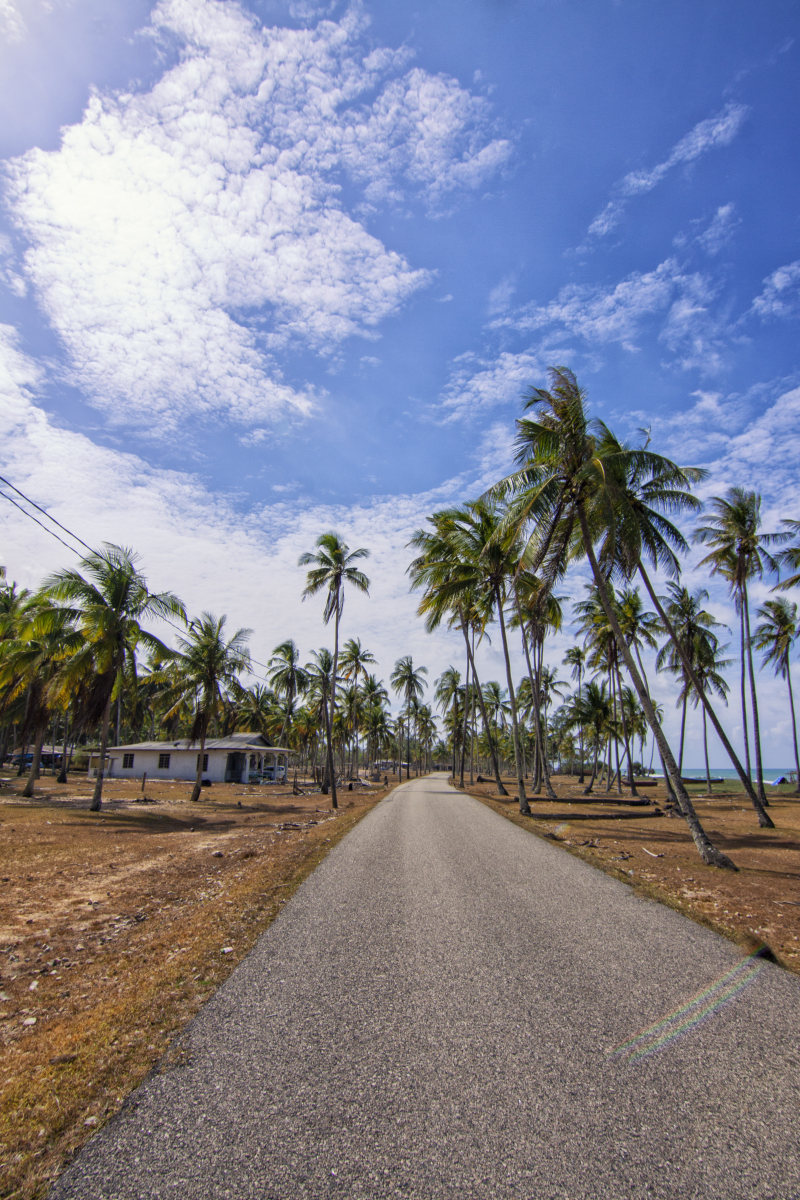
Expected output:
(234, 767)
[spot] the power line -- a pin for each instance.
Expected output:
(44, 512)
(75, 537)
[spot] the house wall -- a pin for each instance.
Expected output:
(182, 765)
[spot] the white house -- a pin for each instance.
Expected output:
(240, 758)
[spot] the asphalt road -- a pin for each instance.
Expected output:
(450, 1007)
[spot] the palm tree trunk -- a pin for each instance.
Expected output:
(38, 743)
(479, 697)
(626, 737)
(683, 729)
(706, 849)
(97, 796)
(705, 751)
(794, 724)
(764, 819)
(762, 795)
(198, 781)
(524, 807)
(535, 695)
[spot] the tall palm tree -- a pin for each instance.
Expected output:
(575, 658)
(709, 665)
(489, 557)
(109, 602)
(208, 665)
(774, 637)
(331, 568)
(321, 685)
(407, 681)
(739, 551)
(450, 591)
(564, 497)
(287, 678)
(355, 660)
(694, 644)
(448, 694)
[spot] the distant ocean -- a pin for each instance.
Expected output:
(770, 773)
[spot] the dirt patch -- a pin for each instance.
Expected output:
(116, 926)
(757, 906)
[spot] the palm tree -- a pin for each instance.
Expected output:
(321, 685)
(30, 664)
(355, 660)
(739, 552)
(774, 637)
(109, 602)
(450, 591)
(331, 568)
(592, 711)
(448, 694)
(694, 643)
(575, 658)
(407, 681)
(790, 555)
(709, 665)
(565, 497)
(207, 665)
(287, 678)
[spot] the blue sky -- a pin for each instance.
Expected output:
(272, 268)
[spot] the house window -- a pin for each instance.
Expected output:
(205, 761)
(163, 762)
(127, 762)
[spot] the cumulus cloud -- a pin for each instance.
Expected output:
(716, 131)
(780, 296)
(181, 237)
(186, 532)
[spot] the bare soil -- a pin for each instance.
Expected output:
(116, 926)
(757, 906)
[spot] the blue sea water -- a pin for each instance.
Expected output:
(770, 773)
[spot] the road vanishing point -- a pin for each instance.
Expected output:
(451, 1007)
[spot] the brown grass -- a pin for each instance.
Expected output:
(116, 926)
(757, 906)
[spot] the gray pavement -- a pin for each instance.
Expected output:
(450, 1007)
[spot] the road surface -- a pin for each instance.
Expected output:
(450, 1007)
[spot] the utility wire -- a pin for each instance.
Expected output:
(79, 540)
(44, 512)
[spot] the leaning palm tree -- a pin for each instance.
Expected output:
(331, 567)
(774, 637)
(566, 496)
(108, 603)
(739, 551)
(207, 666)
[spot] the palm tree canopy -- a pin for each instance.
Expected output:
(776, 634)
(739, 551)
(208, 664)
(331, 566)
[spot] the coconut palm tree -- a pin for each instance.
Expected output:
(407, 681)
(449, 694)
(789, 556)
(331, 568)
(354, 661)
(709, 665)
(566, 496)
(30, 664)
(286, 678)
(774, 637)
(575, 658)
(207, 666)
(109, 603)
(740, 552)
(450, 591)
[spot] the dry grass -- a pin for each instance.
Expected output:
(116, 926)
(757, 906)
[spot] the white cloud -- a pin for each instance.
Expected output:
(202, 545)
(478, 384)
(781, 293)
(719, 130)
(180, 236)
